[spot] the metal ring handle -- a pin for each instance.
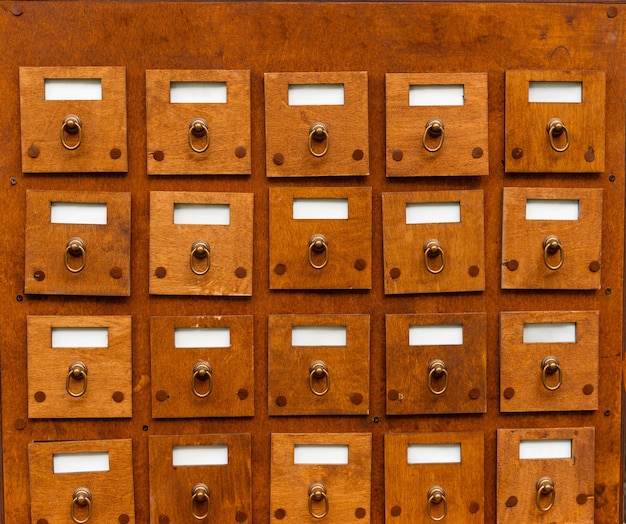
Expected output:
(319, 370)
(436, 495)
(318, 132)
(81, 498)
(72, 125)
(199, 493)
(317, 493)
(200, 249)
(434, 128)
(549, 366)
(551, 246)
(432, 249)
(202, 371)
(437, 368)
(555, 128)
(75, 247)
(545, 486)
(318, 244)
(77, 371)
(198, 128)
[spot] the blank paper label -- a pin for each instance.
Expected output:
(549, 332)
(437, 95)
(552, 209)
(320, 208)
(316, 454)
(545, 449)
(78, 213)
(198, 92)
(202, 214)
(202, 337)
(73, 89)
(318, 335)
(316, 95)
(438, 335)
(80, 337)
(200, 455)
(80, 462)
(546, 92)
(434, 454)
(433, 213)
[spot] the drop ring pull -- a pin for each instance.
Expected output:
(81, 498)
(71, 125)
(78, 372)
(318, 132)
(200, 495)
(76, 248)
(434, 128)
(436, 495)
(437, 369)
(552, 246)
(318, 370)
(555, 128)
(549, 366)
(202, 372)
(318, 244)
(545, 486)
(317, 493)
(432, 250)
(200, 250)
(198, 128)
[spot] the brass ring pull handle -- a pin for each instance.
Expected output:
(71, 125)
(436, 495)
(199, 495)
(545, 486)
(437, 369)
(318, 244)
(433, 249)
(77, 371)
(555, 128)
(198, 128)
(319, 370)
(434, 128)
(81, 498)
(318, 132)
(202, 371)
(202, 251)
(317, 493)
(77, 248)
(552, 246)
(550, 366)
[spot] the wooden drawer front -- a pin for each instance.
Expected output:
(527, 262)
(196, 475)
(545, 374)
(53, 267)
(99, 146)
(342, 149)
(345, 485)
(579, 148)
(427, 377)
(522, 497)
(103, 467)
(462, 147)
(177, 267)
(58, 384)
(345, 261)
(458, 258)
(319, 378)
(434, 476)
(222, 144)
(213, 378)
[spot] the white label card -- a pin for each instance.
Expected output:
(320, 208)
(202, 214)
(552, 209)
(550, 92)
(433, 212)
(437, 335)
(72, 89)
(200, 455)
(215, 337)
(320, 454)
(83, 337)
(198, 92)
(318, 336)
(437, 95)
(80, 462)
(545, 449)
(316, 94)
(434, 454)
(78, 213)
(546, 332)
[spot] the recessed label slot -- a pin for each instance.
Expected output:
(316, 94)
(546, 332)
(202, 214)
(198, 92)
(437, 335)
(318, 336)
(320, 454)
(83, 337)
(78, 213)
(196, 337)
(437, 95)
(72, 89)
(552, 209)
(434, 454)
(80, 462)
(320, 208)
(433, 212)
(200, 455)
(545, 449)
(550, 92)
